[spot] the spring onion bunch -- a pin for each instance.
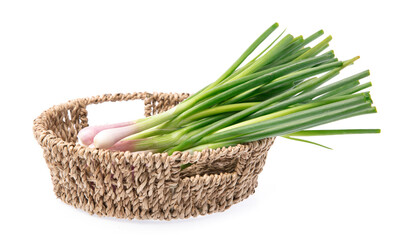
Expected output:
(284, 91)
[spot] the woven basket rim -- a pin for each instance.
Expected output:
(190, 157)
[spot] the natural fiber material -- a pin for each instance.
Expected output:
(143, 185)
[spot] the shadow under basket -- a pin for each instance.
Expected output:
(143, 185)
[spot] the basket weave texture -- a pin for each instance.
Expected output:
(143, 185)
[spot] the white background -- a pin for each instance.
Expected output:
(54, 51)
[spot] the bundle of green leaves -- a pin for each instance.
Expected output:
(283, 91)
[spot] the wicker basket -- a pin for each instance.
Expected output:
(143, 185)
